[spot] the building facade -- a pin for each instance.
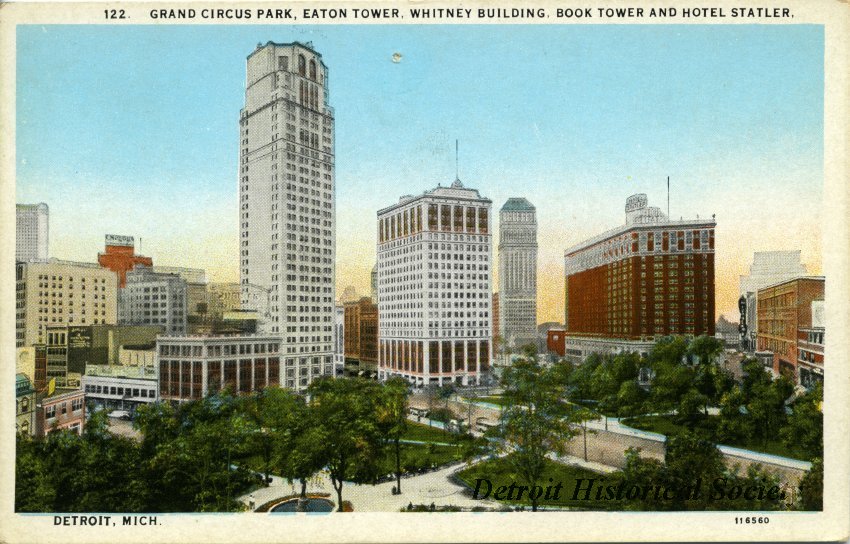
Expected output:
(192, 367)
(24, 405)
(518, 273)
(121, 387)
(361, 336)
(150, 298)
(120, 257)
(65, 293)
(435, 287)
(790, 327)
(71, 349)
(768, 268)
(286, 190)
(649, 278)
(32, 232)
(61, 409)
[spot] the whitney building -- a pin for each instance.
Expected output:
(434, 287)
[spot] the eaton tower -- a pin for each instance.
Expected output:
(286, 204)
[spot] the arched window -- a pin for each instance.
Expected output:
(302, 65)
(313, 70)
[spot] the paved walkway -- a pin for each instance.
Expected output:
(433, 487)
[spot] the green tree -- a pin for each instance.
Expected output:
(392, 417)
(804, 429)
(690, 412)
(766, 406)
(536, 421)
(811, 487)
(734, 424)
(345, 414)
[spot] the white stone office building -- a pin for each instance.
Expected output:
(518, 273)
(434, 287)
(32, 223)
(286, 200)
(150, 298)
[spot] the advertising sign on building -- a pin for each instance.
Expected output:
(79, 348)
(119, 240)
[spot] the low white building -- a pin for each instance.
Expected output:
(120, 387)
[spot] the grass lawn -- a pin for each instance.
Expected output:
(500, 473)
(417, 456)
(666, 426)
(492, 399)
(426, 433)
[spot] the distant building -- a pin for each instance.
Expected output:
(120, 387)
(646, 279)
(32, 226)
(543, 335)
(349, 294)
(65, 293)
(61, 409)
(150, 298)
(373, 277)
(223, 297)
(768, 268)
(196, 291)
(32, 362)
(361, 337)
(435, 287)
(727, 332)
(790, 327)
(518, 273)
(192, 367)
(120, 257)
(496, 322)
(24, 405)
(71, 349)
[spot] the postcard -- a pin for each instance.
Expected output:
(425, 271)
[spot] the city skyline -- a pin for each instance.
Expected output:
(570, 138)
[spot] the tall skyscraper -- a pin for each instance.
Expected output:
(32, 222)
(434, 287)
(286, 201)
(648, 278)
(518, 273)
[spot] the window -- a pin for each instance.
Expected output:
(50, 412)
(77, 405)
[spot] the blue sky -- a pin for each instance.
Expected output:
(133, 130)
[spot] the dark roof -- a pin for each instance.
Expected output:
(517, 204)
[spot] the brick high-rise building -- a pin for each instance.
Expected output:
(435, 287)
(361, 335)
(120, 257)
(791, 329)
(648, 278)
(286, 201)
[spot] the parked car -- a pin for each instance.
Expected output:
(120, 414)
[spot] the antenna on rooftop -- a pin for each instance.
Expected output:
(668, 197)
(457, 162)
